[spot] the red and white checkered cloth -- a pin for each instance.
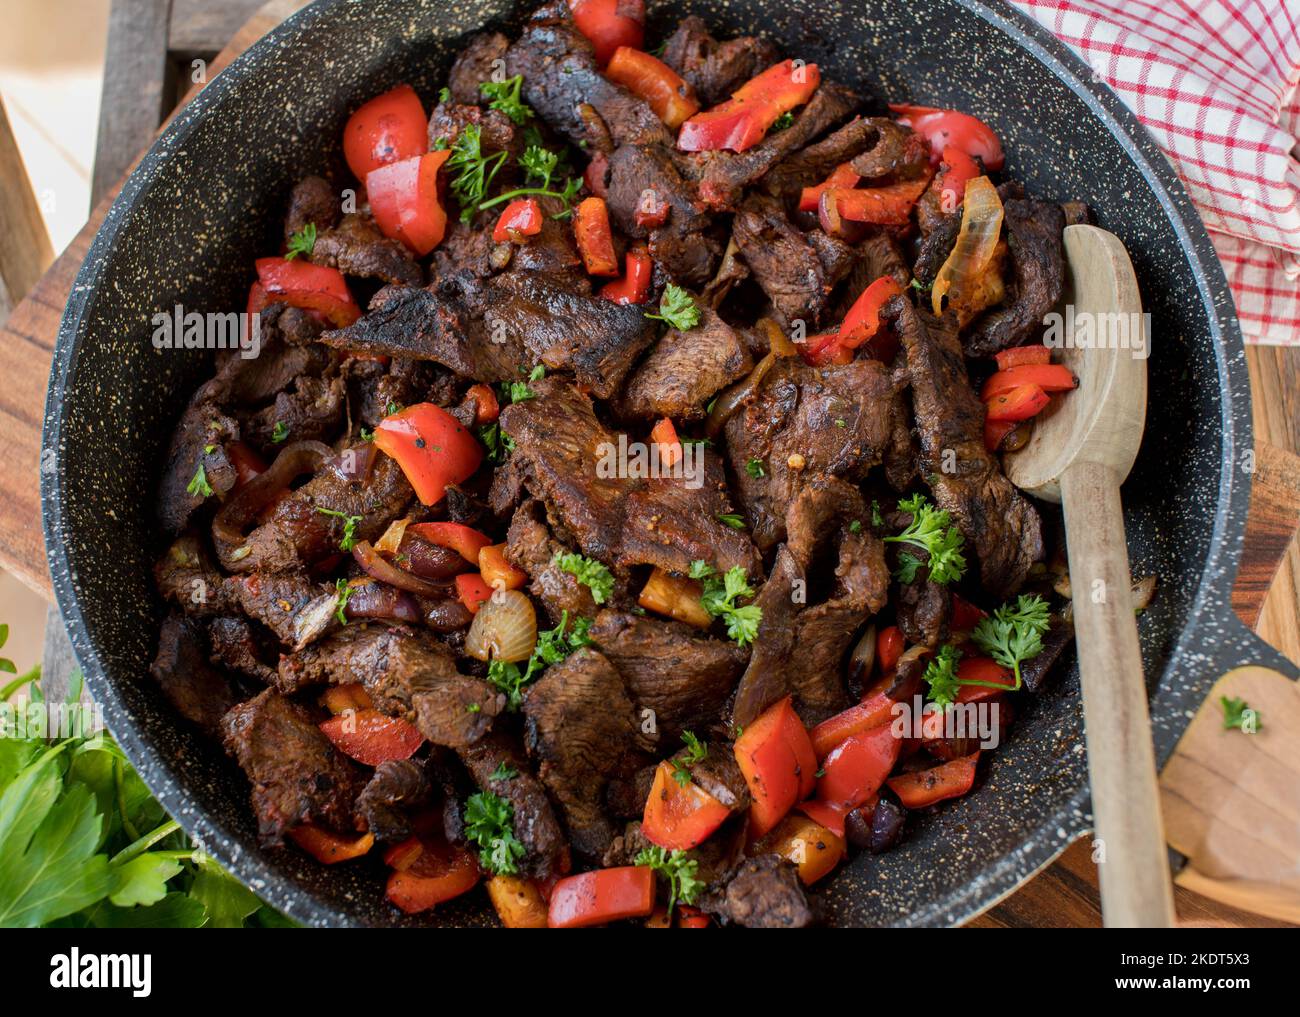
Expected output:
(1216, 83)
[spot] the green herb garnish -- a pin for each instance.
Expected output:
(732, 519)
(1237, 713)
(505, 97)
(342, 591)
(696, 750)
(279, 432)
(1013, 634)
(678, 868)
(720, 596)
(303, 242)
(591, 573)
(755, 468)
(199, 486)
(930, 530)
(677, 308)
(349, 540)
(489, 820)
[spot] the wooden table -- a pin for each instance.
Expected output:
(152, 44)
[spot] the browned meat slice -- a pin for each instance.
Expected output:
(723, 175)
(311, 411)
(716, 69)
(999, 522)
(936, 245)
(1034, 232)
(373, 387)
(923, 611)
(815, 163)
(475, 65)
(802, 423)
(237, 646)
(797, 271)
(534, 820)
(562, 84)
(296, 609)
(802, 641)
(313, 201)
(398, 788)
(497, 131)
(565, 454)
(293, 325)
(196, 467)
(552, 253)
(356, 247)
(897, 152)
(719, 775)
(685, 370)
(197, 691)
(713, 859)
(582, 730)
(762, 893)
(1058, 636)
(530, 546)
(297, 775)
(185, 576)
(669, 668)
(407, 674)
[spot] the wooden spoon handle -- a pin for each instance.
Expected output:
(1133, 864)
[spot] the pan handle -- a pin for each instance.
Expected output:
(1230, 797)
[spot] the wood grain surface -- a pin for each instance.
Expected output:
(1065, 894)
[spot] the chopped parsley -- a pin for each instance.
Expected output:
(755, 468)
(279, 432)
(518, 391)
(505, 97)
(591, 573)
(474, 170)
(931, 531)
(496, 441)
(544, 166)
(349, 539)
(732, 519)
(503, 772)
(367, 434)
(342, 591)
(677, 308)
(678, 868)
(782, 122)
(303, 242)
(1239, 714)
(1013, 633)
(855, 526)
(696, 750)
(720, 596)
(199, 486)
(941, 675)
(489, 823)
(553, 646)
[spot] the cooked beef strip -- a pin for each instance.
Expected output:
(497, 132)
(762, 893)
(671, 669)
(897, 152)
(562, 84)
(715, 69)
(356, 247)
(197, 691)
(292, 606)
(530, 546)
(203, 426)
(1035, 671)
(582, 730)
(802, 640)
(719, 774)
(935, 248)
(923, 610)
(813, 164)
(1001, 525)
(1034, 232)
(186, 576)
(313, 201)
(236, 645)
(475, 65)
(374, 387)
(297, 775)
(684, 371)
(311, 412)
(621, 521)
(535, 825)
(713, 859)
(397, 788)
(797, 271)
(247, 383)
(797, 412)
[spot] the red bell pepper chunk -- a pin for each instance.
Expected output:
(605, 895)
(473, 591)
(328, 847)
(610, 24)
(497, 572)
(692, 918)
(679, 816)
(1048, 377)
(1018, 356)
(595, 176)
(371, 737)
(778, 762)
(522, 218)
(889, 647)
(965, 615)
(952, 185)
(824, 349)
(827, 814)
(944, 127)
(434, 873)
(312, 287)
(465, 540)
(432, 447)
(741, 121)
(842, 177)
(984, 672)
(634, 287)
(389, 128)
(595, 238)
(857, 767)
(863, 320)
(663, 89)
(875, 709)
(664, 434)
(1018, 404)
(995, 431)
(406, 200)
(950, 780)
(486, 405)
(890, 205)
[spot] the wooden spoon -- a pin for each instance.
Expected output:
(1078, 455)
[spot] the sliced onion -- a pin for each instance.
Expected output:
(374, 599)
(431, 561)
(727, 403)
(505, 628)
(354, 464)
(242, 508)
(777, 341)
(981, 226)
(863, 658)
(447, 615)
(1143, 590)
(392, 538)
(378, 568)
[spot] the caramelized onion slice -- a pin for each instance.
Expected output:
(505, 628)
(727, 403)
(378, 568)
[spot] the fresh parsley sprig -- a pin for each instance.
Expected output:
(677, 308)
(349, 539)
(1013, 633)
(591, 573)
(678, 868)
(720, 596)
(931, 530)
(553, 646)
(342, 592)
(941, 675)
(505, 96)
(696, 751)
(303, 242)
(474, 170)
(199, 486)
(1239, 714)
(489, 823)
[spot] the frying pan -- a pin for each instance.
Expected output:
(207, 199)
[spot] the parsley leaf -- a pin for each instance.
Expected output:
(941, 675)
(1239, 714)
(199, 486)
(782, 122)
(553, 646)
(755, 468)
(720, 596)
(505, 97)
(349, 540)
(342, 591)
(503, 772)
(279, 432)
(591, 573)
(495, 441)
(1014, 632)
(489, 820)
(678, 868)
(303, 242)
(474, 170)
(696, 750)
(677, 308)
(733, 519)
(932, 531)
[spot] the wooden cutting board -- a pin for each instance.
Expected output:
(1063, 895)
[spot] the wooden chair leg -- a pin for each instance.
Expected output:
(25, 250)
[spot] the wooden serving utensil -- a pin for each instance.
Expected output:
(1080, 452)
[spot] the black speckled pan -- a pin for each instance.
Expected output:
(206, 200)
